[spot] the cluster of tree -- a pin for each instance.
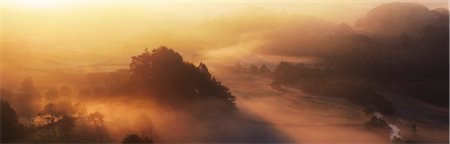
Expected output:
(162, 75)
(10, 129)
(329, 82)
(134, 138)
(56, 123)
(27, 98)
(165, 77)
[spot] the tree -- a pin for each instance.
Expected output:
(66, 129)
(27, 88)
(171, 81)
(28, 98)
(263, 69)
(55, 113)
(253, 69)
(51, 112)
(96, 120)
(133, 138)
(11, 129)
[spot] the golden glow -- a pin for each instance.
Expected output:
(60, 41)
(37, 3)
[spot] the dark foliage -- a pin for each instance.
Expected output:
(133, 138)
(11, 129)
(263, 69)
(66, 124)
(168, 79)
(27, 99)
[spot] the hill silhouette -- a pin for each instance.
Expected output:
(400, 48)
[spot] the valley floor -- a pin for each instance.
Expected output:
(313, 119)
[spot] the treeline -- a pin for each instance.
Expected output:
(56, 123)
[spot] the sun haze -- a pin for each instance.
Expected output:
(245, 71)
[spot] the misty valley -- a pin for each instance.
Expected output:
(105, 73)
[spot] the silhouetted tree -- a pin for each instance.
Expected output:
(253, 69)
(50, 109)
(11, 129)
(170, 80)
(96, 120)
(28, 99)
(68, 123)
(133, 138)
(27, 88)
(67, 129)
(7, 95)
(263, 69)
(51, 114)
(62, 108)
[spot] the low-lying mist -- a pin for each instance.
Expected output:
(252, 75)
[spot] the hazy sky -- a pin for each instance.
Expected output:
(57, 42)
(335, 10)
(99, 32)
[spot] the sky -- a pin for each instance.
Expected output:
(335, 10)
(25, 18)
(82, 35)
